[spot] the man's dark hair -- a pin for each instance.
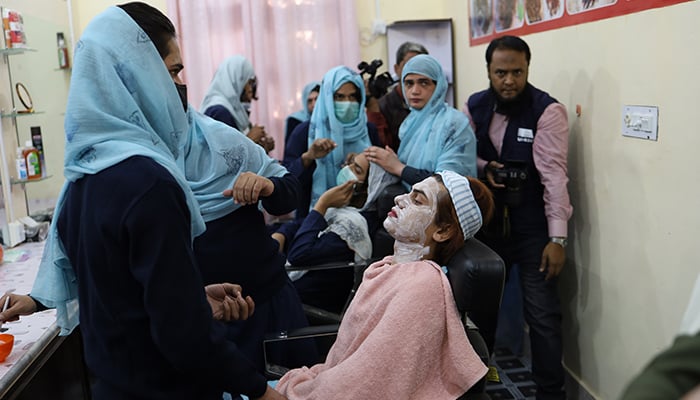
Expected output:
(408, 47)
(156, 25)
(507, 43)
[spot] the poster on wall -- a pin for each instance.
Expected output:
(489, 19)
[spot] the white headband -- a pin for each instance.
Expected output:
(468, 211)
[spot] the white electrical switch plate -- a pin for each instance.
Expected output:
(640, 122)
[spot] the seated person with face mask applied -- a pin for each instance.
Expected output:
(432, 358)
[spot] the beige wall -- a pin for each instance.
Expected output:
(634, 230)
(85, 10)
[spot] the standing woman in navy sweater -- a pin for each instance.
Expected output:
(125, 221)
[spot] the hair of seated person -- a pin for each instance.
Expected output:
(484, 199)
(446, 218)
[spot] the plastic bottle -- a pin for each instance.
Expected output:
(62, 51)
(33, 161)
(21, 165)
(39, 146)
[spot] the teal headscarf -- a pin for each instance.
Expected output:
(437, 137)
(122, 103)
(226, 87)
(215, 156)
(304, 115)
(349, 137)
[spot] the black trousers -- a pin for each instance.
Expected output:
(542, 309)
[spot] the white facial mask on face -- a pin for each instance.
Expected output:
(411, 221)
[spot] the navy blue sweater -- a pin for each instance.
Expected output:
(238, 247)
(147, 326)
(221, 114)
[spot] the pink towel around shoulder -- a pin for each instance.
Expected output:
(401, 338)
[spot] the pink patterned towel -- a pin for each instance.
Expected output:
(401, 338)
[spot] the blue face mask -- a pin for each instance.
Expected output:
(345, 175)
(346, 111)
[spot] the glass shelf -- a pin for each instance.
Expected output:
(22, 182)
(15, 114)
(15, 50)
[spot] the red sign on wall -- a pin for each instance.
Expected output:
(489, 19)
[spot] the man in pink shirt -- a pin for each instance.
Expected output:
(522, 143)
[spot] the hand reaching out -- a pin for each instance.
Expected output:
(227, 302)
(318, 149)
(249, 188)
(19, 305)
(385, 158)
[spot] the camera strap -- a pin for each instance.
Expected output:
(506, 222)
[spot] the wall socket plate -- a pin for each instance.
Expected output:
(640, 122)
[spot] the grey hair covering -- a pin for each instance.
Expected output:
(467, 209)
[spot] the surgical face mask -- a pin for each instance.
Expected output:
(345, 175)
(246, 107)
(182, 91)
(346, 111)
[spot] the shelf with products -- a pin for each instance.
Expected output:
(23, 181)
(15, 114)
(15, 50)
(20, 106)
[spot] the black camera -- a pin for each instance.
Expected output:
(513, 175)
(377, 84)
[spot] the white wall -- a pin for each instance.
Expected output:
(635, 225)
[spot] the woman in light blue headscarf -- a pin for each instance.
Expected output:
(434, 136)
(317, 149)
(143, 178)
(228, 98)
(308, 100)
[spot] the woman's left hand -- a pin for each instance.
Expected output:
(249, 187)
(385, 158)
(227, 303)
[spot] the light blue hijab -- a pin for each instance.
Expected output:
(226, 87)
(349, 137)
(437, 137)
(304, 115)
(122, 103)
(216, 155)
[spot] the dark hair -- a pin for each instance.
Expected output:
(446, 217)
(156, 25)
(408, 47)
(507, 43)
(484, 199)
(316, 89)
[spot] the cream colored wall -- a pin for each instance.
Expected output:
(632, 257)
(85, 10)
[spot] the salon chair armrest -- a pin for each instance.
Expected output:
(273, 371)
